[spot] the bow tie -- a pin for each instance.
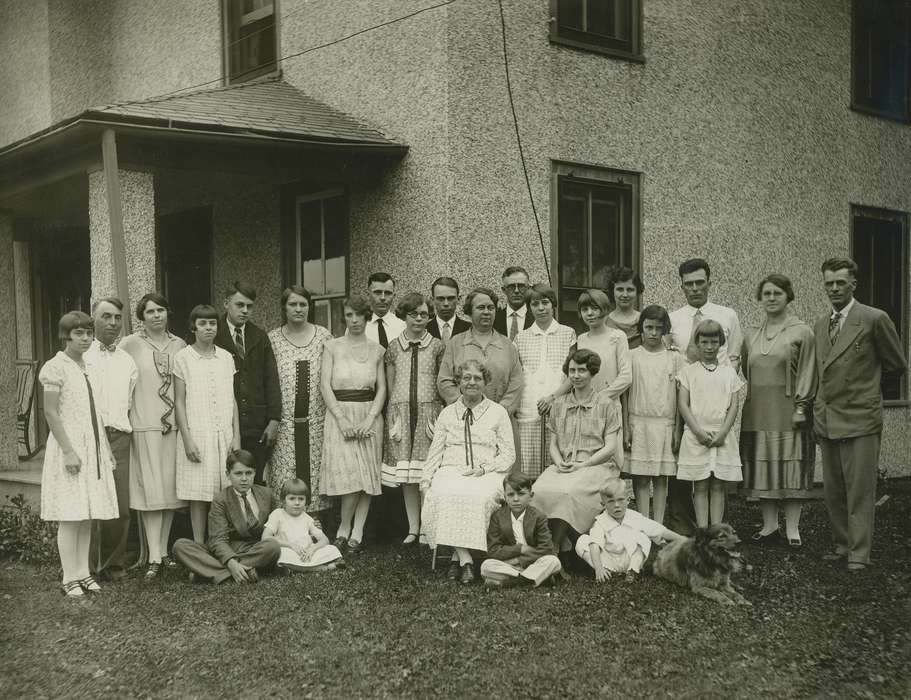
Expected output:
(108, 348)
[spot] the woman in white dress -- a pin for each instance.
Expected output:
(472, 449)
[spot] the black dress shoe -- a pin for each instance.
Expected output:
(467, 573)
(454, 571)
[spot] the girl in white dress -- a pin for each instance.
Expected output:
(650, 413)
(709, 449)
(77, 482)
(206, 416)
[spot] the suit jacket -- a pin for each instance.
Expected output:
(501, 541)
(256, 386)
(227, 525)
(849, 400)
(459, 325)
(500, 325)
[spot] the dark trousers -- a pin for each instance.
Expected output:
(198, 559)
(849, 469)
(109, 537)
(386, 520)
(680, 516)
(252, 444)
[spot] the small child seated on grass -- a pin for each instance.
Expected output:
(621, 539)
(304, 545)
(519, 545)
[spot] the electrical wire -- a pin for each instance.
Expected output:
(515, 122)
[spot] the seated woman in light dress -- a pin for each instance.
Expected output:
(472, 449)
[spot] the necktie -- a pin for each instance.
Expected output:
(445, 332)
(381, 333)
(108, 348)
(834, 327)
(249, 516)
(692, 352)
(514, 326)
(239, 342)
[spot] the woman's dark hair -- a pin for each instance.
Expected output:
(239, 456)
(709, 329)
(780, 281)
(477, 365)
(589, 358)
(72, 320)
(469, 300)
(624, 274)
(410, 302)
(541, 291)
(296, 487)
(359, 304)
(301, 292)
(201, 311)
(155, 298)
(654, 313)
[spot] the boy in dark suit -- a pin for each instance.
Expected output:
(519, 545)
(445, 323)
(236, 520)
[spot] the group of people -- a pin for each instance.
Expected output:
(504, 432)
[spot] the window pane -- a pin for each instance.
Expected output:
(608, 18)
(311, 246)
(573, 245)
(251, 35)
(335, 223)
(571, 14)
(881, 56)
(607, 218)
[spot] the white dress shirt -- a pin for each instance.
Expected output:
(392, 323)
(113, 376)
(520, 313)
(682, 330)
(232, 329)
(518, 527)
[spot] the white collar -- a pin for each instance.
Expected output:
(242, 496)
(233, 328)
(520, 312)
(520, 519)
(376, 318)
(551, 329)
(692, 310)
(844, 312)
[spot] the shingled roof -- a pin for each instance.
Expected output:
(272, 108)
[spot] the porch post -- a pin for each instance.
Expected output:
(8, 432)
(121, 231)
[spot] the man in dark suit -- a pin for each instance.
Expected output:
(445, 323)
(515, 316)
(855, 344)
(256, 386)
(238, 514)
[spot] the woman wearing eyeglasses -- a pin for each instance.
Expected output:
(412, 364)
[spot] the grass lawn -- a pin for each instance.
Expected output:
(388, 627)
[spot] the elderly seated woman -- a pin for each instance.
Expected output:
(472, 449)
(584, 425)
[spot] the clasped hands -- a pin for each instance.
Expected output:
(566, 466)
(360, 431)
(710, 438)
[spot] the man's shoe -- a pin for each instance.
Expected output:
(855, 567)
(834, 556)
(467, 573)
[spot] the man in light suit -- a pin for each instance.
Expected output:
(855, 344)
(238, 514)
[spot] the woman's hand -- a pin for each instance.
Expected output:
(544, 404)
(424, 485)
(717, 439)
(565, 467)
(71, 462)
(627, 437)
(349, 432)
(702, 437)
(365, 429)
(799, 419)
(477, 471)
(395, 432)
(193, 454)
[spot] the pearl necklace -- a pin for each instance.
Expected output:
(764, 338)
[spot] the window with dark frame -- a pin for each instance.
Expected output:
(251, 38)
(879, 246)
(597, 230)
(880, 58)
(612, 27)
(321, 255)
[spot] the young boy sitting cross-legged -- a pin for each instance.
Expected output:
(519, 545)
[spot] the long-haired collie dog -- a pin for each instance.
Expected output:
(704, 563)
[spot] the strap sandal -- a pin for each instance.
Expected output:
(412, 538)
(354, 546)
(154, 570)
(341, 542)
(73, 589)
(90, 585)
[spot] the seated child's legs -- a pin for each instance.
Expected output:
(701, 502)
(497, 571)
(542, 569)
(615, 563)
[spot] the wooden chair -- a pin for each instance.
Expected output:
(26, 385)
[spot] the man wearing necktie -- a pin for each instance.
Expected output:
(113, 375)
(256, 384)
(515, 316)
(234, 549)
(445, 294)
(855, 345)
(383, 325)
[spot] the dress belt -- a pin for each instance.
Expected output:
(354, 394)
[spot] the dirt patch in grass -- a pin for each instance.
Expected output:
(388, 627)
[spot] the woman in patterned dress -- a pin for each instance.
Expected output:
(624, 288)
(412, 363)
(298, 347)
(353, 384)
(77, 481)
(542, 347)
(153, 447)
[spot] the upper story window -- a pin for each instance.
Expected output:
(613, 27)
(251, 38)
(880, 55)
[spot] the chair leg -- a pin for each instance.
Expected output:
(433, 561)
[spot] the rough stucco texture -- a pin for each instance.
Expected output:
(138, 198)
(24, 76)
(8, 433)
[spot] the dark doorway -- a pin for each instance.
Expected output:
(185, 241)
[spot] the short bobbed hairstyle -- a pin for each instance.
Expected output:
(72, 320)
(157, 299)
(780, 281)
(596, 299)
(469, 300)
(518, 481)
(624, 274)
(541, 291)
(240, 457)
(709, 329)
(655, 313)
(589, 358)
(836, 264)
(202, 311)
(359, 304)
(693, 265)
(477, 366)
(294, 487)
(301, 292)
(411, 302)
